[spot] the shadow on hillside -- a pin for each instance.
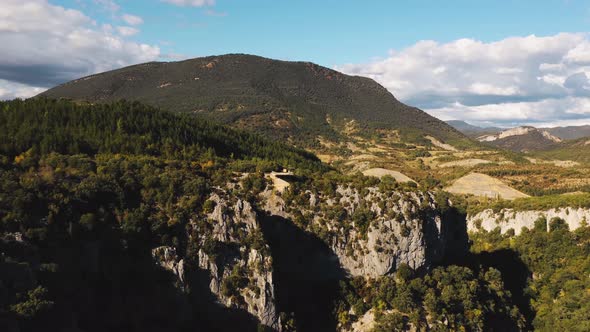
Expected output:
(211, 316)
(514, 271)
(306, 274)
(99, 285)
(454, 230)
(514, 275)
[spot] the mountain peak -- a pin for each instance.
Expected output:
(281, 99)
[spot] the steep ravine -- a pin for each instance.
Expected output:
(265, 262)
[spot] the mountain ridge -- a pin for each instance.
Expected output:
(298, 101)
(522, 139)
(563, 132)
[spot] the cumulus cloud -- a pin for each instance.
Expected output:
(132, 19)
(194, 3)
(11, 90)
(514, 80)
(547, 112)
(46, 45)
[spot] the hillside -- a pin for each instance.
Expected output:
(39, 126)
(570, 132)
(287, 100)
(576, 150)
(522, 139)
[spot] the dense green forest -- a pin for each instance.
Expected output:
(556, 275)
(449, 298)
(39, 126)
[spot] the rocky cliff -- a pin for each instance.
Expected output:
(232, 251)
(350, 232)
(371, 232)
(508, 219)
(240, 266)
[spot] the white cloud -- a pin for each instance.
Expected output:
(50, 44)
(132, 19)
(539, 113)
(11, 90)
(488, 89)
(194, 3)
(505, 80)
(127, 31)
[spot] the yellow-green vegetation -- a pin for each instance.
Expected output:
(437, 166)
(576, 150)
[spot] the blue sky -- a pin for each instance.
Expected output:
(332, 32)
(501, 63)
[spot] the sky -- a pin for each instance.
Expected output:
(502, 63)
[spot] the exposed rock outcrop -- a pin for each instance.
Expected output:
(373, 232)
(366, 232)
(167, 258)
(239, 265)
(508, 219)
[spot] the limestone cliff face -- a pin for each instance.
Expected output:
(377, 232)
(233, 252)
(167, 258)
(509, 219)
(241, 267)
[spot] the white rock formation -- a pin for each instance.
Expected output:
(509, 219)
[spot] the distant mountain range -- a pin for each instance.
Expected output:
(564, 133)
(295, 101)
(525, 138)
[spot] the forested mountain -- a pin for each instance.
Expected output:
(552, 268)
(287, 100)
